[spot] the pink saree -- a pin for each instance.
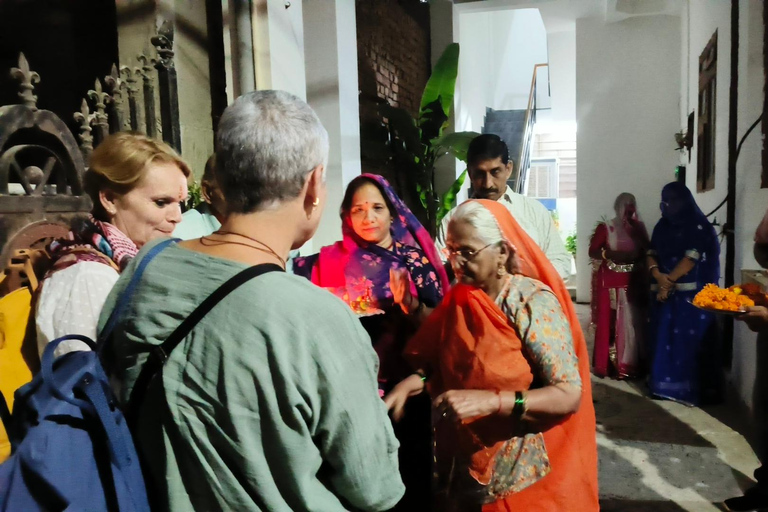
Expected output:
(617, 306)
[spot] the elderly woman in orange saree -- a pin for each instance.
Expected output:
(505, 361)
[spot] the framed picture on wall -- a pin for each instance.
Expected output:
(705, 134)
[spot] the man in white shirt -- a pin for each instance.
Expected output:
(489, 169)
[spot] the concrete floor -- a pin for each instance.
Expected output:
(660, 456)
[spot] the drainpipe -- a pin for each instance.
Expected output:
(730, 226)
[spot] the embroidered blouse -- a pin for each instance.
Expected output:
(533, 310)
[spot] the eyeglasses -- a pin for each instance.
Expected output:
(466, 254)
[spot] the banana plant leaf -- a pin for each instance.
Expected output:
(432, 121)
(422, 195)
(404, 127)
(456, 143)
(448, 201)
(442, 82)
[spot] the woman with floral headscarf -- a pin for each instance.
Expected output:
(619, 292)
(683, 257)
(507, 366)
(386, 263)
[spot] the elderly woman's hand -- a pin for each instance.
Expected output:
(462, 404)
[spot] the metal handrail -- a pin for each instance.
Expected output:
(524, 158)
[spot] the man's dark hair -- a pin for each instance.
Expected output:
(487, 147)
(210, 166)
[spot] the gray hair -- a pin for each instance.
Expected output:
(267, 143)
(486, 228)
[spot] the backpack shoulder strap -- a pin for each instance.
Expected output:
(125, 297)
(159, 354)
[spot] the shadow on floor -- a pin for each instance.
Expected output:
(647, 454)
(618, 505)
(630, 417)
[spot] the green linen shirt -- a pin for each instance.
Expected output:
(271, 403)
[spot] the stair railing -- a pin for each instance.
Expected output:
(524, 159)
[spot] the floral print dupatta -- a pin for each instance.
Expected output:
(355, 268)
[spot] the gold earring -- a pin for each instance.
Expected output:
(315, 202)
(501, 271)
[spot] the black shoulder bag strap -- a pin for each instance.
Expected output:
(159, 354)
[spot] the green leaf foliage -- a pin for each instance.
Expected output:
(423, 199)
(194, 195)
(448, 201)
(442, 82)
(456, 143)
(404, 128)
(432, 121)
(570, 243)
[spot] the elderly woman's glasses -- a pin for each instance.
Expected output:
(466, 254)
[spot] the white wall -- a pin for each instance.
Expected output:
(194, 85)
(566, 211)
(562, 76)
(498, 52)
(627, 94)
(331, 69)
(278, 40)
(700, 19)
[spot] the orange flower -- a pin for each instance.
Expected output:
(724, 299)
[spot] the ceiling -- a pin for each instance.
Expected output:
(561, 15)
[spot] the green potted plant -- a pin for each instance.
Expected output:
(417, 144)
(570, 244)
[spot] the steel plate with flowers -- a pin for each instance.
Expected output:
(364, 305)
(725, 301)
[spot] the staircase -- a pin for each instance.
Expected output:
(510, 126)
(515, 127)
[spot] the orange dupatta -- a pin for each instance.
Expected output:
(468, 343)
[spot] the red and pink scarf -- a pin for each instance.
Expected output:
(93, 240)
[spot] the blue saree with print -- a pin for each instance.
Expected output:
(683, 340)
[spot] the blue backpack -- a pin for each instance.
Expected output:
(71, 446)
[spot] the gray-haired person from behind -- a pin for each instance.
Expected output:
(271, 402)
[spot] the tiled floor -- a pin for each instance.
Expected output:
(660, 456)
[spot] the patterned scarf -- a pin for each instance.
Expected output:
(358, 267)
(93, 240)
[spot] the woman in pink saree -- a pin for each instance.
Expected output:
(618, 291)
(386, 261)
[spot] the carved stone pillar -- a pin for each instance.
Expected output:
(169, 93)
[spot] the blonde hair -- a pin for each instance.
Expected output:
(120, 162)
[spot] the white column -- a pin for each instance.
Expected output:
(278, 40)
(443, 29)
(332, 90)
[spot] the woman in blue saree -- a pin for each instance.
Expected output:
(684, 256)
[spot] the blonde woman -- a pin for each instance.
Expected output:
(136, 184)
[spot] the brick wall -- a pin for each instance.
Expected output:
(393, 60)
(393, 50)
